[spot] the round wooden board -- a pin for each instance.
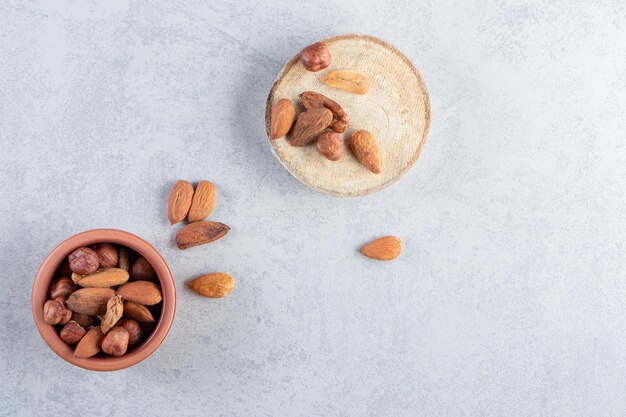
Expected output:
(396, 111)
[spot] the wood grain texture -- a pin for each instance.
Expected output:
(396, 110)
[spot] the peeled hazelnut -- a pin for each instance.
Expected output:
(315, 57)
(107, 255)
(141, 270)
(116, 341)
(134, 331)
(83, 261)
(72, 332)
(62, 287)
(84, 320)
(330, 145)
(54, 312)
(122, 259)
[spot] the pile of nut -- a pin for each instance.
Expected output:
(196, 205)
(324, 120)
(104, 299)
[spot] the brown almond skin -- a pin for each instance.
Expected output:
(138, 312)
(199, 233)
(203, 202)
(312, 100)
(385, 248)
(366, 149)
(116, 341)
(215, 285)
(72, 332)
(141, 292)
(90, 343)
(107, 255)
(310, 123)
(102, 278)
(283, 115)
(141, 270)
(83, 261)
(179, 201)
(330, 145)
(62, 287)
(135, 334)
(315, 57)
(90, 301)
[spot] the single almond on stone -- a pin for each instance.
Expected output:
(346, 80)
(215, 285)
(203, 202)
(102, 278)
(114, 312)
(137, 312)
(283, 115)
(179, 201)
(383, 249)
(142, 292)
(366, 148)
(199, 233)
(310, 123)
(330, 145)
(90, 301)
(89, 345)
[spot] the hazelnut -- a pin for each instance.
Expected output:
(72, 332)
(54, 312)
(116, 341)
(134, 331)
(83, 261)
(84, 319)
(107, 255)
(315, 57)
(141, 270)
(330, 145)
(62, 287)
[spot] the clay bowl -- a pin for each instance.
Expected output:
(46, 274)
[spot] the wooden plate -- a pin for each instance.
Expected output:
(396, 110)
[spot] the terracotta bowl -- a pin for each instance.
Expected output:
(46, 274)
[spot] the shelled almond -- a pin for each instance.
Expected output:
(98, 310)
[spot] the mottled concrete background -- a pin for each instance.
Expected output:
(508, 301)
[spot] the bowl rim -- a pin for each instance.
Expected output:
(46, 273)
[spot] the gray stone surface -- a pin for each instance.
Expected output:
(509, 298)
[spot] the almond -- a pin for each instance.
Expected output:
(102, 278)
(383, 249)
(203, 202)
(89, 345)
(350, 81)
(310, 124)
(142, 292)
(180, 201)
(90, 301)
(312, 100)
(283, 115)
(137, 312)
(330, 145)
(115, 309)
(199, 233)
(215, 285)
(365, 147)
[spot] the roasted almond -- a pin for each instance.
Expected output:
(203, 202)
(283, 115)
(90, 301)
(89, 345)
(215, 285)
(330, 145)
(142, 292)
(137, 312)
(312, 100)
(102, 278)
(310, 123)
(179, 201)
(383, 249)
(115, 309)
(366, 148)
(350, 81)
(199, 233)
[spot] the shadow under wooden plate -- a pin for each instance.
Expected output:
(396, 110)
